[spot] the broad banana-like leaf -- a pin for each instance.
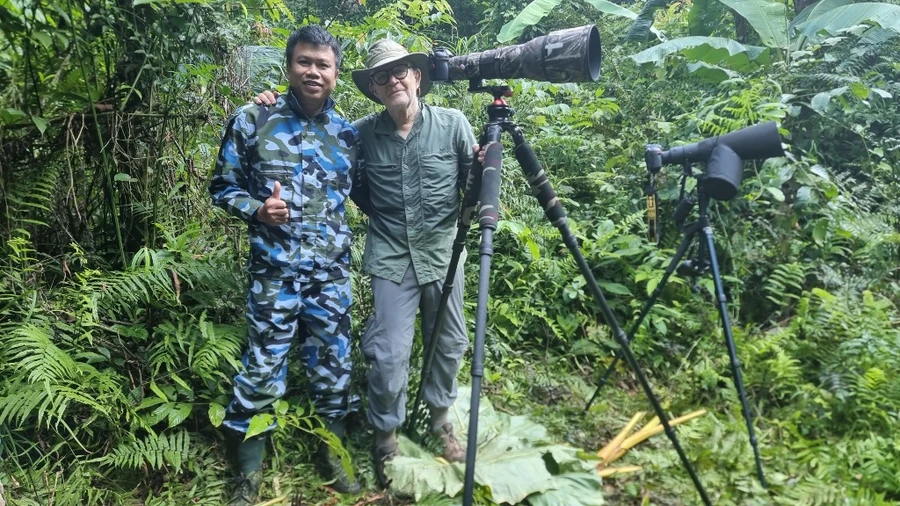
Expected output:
(713, 50)
(534, 12)
(768, 18)
(711, 73)
(611, 8)
(878, 35)
(813, 11)
(887, 16)
(531, 15)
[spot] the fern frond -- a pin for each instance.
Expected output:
(37, 354)
(173, 449)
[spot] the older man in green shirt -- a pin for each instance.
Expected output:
(415, 157)
(413, 162)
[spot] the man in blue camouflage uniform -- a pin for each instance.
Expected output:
(286, 171)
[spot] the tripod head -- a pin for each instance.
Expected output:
(499, 111)
(726, 162)
(724, 156)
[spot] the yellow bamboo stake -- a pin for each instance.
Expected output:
(618, 447)
(608, 451)
(610, 471)
(647, 432)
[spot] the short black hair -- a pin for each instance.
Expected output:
(315, 35)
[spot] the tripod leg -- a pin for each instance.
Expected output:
(556, 214)
(466, 215)
(488, 217)
(732, 352)
(679, 254)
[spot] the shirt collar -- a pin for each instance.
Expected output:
(385, 123)
(298, 110)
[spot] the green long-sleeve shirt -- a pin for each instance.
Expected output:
(413, 191)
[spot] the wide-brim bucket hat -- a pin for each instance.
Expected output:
(383, 55)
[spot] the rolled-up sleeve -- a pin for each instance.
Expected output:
(464, 141)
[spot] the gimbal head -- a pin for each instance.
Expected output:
(724, 156)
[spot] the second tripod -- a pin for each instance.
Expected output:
(704, 260)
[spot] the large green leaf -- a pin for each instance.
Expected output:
(819, 103)
(511, 431)
(515, 460)
(711, 73)
(417, 473)
(534, 12)
(813, 11)
(833, 21)
(569, 489)
(713, 50)
(768, 18)
(611, 8)
(531, 15)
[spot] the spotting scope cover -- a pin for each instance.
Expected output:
(751, 143)
(563, 56)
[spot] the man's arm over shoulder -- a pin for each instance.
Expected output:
(359, 191)
(229, 187)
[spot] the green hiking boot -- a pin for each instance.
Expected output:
(249, 460)
(330, 462)
(246, 489)
(332, 470)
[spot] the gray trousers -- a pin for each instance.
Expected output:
(387, 342)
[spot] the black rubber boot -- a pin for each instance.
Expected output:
(330, 463)
(246, 489)
(249, 463)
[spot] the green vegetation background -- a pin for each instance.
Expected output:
(122, 296)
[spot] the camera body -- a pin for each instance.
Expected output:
(439, 63)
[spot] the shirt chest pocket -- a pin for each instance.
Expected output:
(439, 176)
(385, 181)
(267, 173)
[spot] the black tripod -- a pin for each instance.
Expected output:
(482, 195)
(701, 263)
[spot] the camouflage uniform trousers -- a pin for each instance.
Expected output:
(316, 315)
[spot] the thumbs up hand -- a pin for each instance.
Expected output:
(274, 211)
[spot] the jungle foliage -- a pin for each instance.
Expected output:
(122, 292)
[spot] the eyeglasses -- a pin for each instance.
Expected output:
(382, 76)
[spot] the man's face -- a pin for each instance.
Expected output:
(396, 92)
(312, 72)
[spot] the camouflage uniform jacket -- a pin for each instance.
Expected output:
(314, 160)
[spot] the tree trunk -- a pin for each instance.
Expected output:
(799, 5)
(741, 28)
